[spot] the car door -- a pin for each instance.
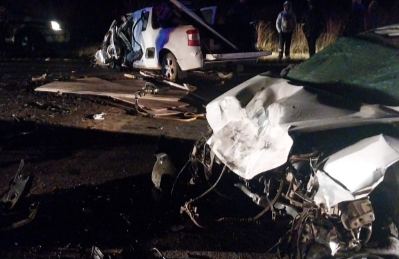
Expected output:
(144, 37)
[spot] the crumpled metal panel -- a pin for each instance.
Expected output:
(162, 166)
(248, 140)
(353, 172)
(251, 122)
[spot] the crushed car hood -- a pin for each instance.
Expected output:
(252, 122)
(341, 86)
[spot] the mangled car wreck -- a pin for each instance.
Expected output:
(319, 146)
(168, 37)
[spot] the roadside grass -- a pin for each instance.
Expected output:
(268, 37)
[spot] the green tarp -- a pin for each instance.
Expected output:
(364, 68)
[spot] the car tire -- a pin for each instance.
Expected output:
(169, 67)
(30, 43)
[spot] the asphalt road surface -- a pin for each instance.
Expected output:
(91, 180)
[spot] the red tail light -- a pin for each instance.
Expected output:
(193, 37)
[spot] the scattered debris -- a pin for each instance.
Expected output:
(52, 107)
(130, 76)
(97, 254)
(40, 78)
(151, 88)
(99, 116)
(227, 75)
(17, 187)
(163, 166)
(158, 253)
(155, 128)
(15, 118)
(9, 217)
(164, 80)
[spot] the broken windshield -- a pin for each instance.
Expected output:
(364, 68)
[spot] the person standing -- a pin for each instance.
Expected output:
(312, 25)
(285, 24)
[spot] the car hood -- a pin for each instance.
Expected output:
(252, 122)
(342, 86)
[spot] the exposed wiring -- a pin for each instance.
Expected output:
(187, 206)
(178, 175)
(212, 187)
(279, 191)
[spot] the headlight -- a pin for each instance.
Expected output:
(55, 26)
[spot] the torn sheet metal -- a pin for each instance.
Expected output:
(17, 187)
(96, 253)
(162, 166)
(250, 140)
(361, 167)
(330, 192)
(251, 122)
(392, 30)
(355, 171)
(99, 116)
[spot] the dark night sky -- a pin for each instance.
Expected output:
(89, 20)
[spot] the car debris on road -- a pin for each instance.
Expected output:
(11, 218)
(163, 166)
(152, 97)
(99, 116)
(311, 150)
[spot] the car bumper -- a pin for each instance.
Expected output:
(192, 61)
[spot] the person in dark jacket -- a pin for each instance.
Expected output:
(355, 22)
(312, 26)
(285, 24)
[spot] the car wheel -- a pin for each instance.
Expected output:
(170, 67)
(31, 43)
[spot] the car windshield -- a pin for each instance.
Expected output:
(364, 68)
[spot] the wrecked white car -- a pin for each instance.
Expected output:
(320, 145)
(167, 38)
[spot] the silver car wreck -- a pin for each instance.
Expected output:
(319, 144)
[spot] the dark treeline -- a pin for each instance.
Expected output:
(89, 20)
